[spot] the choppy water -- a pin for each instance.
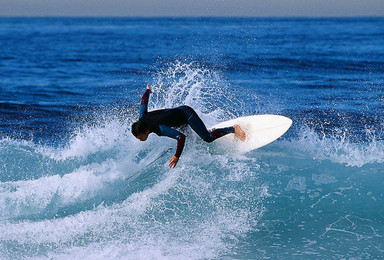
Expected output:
(70, 91)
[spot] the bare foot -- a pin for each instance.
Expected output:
(239, 132)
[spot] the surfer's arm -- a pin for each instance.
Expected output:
(144, 102)
(172, 133)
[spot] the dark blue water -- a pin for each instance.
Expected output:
(70, 89)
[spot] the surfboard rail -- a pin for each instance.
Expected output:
(259, 129)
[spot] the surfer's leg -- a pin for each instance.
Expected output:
(220, 132)
(196, 123)
(199, 127)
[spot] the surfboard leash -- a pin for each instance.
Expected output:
(161, 155)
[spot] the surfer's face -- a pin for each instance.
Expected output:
(143, 136)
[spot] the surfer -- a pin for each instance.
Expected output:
(161, 122)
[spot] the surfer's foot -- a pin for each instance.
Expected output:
(239, 132)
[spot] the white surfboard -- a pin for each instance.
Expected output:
(260, 130)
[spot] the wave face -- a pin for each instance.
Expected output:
(75, 184)
(100, 193)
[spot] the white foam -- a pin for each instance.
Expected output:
(91, 140)
(131, 229)
(320, 179)
(23, 198)
(338, 148)
(297, 183)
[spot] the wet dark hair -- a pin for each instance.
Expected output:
(139, 127)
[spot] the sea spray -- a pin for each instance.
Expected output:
(338, 147)
(84, 203)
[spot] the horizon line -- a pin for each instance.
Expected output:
(176, 16)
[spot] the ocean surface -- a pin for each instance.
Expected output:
(75, 184)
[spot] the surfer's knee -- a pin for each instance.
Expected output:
(188, 111)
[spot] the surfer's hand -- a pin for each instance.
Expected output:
(149, 88)
(173, 161)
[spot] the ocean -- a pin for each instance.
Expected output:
(75, 183)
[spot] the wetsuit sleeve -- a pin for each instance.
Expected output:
(172, 133)
(144, 103)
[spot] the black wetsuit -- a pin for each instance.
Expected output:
(161, 121)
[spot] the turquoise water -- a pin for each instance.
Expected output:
(75, 184)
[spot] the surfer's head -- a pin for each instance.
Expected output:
(140, 130)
